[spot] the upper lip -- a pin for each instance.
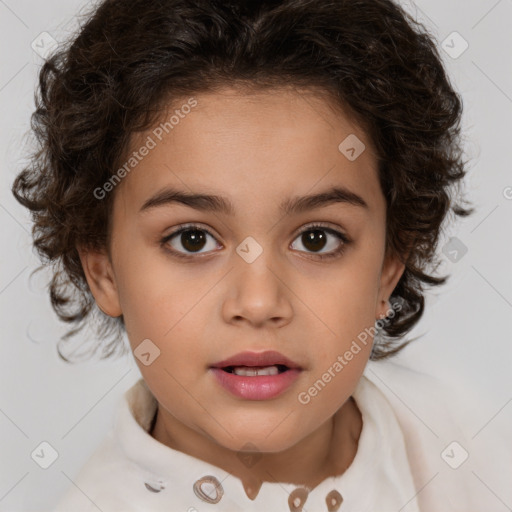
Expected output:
(267, 358)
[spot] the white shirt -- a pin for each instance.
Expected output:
(405, 461)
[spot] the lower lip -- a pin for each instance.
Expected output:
(259, 387)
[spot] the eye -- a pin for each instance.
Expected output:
(191, 238)
(316, 237)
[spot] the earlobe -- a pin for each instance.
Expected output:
(392, 271)
(101, 280)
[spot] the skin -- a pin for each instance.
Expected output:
(256, 149)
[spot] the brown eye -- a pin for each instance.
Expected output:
(193, 240)
(316, 238)
(189, 240)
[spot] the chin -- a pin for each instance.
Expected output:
(260, 442)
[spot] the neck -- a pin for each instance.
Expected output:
(328, 451)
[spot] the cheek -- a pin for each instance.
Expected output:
(340, 316)
(342, 301)
(155, 295)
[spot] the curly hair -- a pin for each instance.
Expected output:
(131, 58)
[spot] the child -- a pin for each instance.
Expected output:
(253, 192)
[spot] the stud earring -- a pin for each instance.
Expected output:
(388, 307)
(99, 307)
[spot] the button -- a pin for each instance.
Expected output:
(154, 488)
(297, 499)
(208, 489)
(333, 500)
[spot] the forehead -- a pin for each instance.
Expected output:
(252, 145)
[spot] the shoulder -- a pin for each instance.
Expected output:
(96, 477)
(405, 386)
(111, 479)
(428, 411)
(438, 425)
(399, 374)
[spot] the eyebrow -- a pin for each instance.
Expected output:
(220, 204)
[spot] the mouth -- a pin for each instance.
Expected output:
(248, 363)
(256, 375)
(254, 371)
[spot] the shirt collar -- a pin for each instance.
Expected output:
(379, 474)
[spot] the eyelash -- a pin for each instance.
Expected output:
(311, 227)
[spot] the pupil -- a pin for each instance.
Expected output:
(314, 240)
(193, 239)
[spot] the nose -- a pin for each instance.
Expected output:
(258, 294)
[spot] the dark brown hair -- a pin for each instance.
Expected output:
(132, 58)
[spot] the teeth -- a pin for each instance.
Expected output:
(254, 371)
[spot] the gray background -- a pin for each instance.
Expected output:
(466, 339)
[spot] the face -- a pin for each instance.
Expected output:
(252, 275)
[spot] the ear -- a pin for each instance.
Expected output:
(392, 271)
(101, 280)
